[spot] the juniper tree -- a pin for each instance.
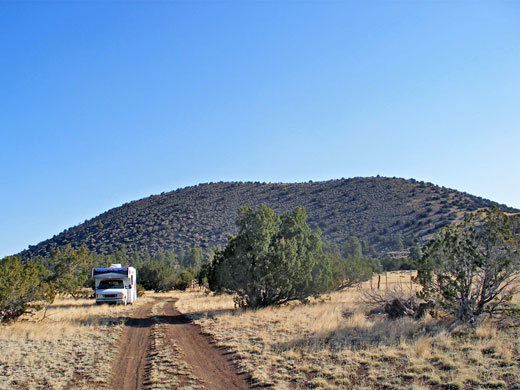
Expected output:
(69, 270)
(22, 288)
(471, 268)
(352, 267)
(272, 259)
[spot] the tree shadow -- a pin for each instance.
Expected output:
(175, 319)
(146, 322)
(70, 306)
(211, 313)
(382, 333)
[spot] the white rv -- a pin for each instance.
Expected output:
(115, 284)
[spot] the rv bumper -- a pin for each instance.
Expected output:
(110, 300)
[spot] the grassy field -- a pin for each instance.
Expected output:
(330, 343)
(333, 343)
(71, 348)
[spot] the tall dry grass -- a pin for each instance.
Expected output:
(334, 343)
(70, 347)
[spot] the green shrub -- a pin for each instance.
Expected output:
(140, 290)
(184, 280)
(22, 288)
(156, 275)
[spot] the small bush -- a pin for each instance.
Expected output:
(140, 290)
(184, 280)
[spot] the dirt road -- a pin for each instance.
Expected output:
(160, 347)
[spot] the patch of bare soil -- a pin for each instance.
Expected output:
(128, 369)
(211, 367)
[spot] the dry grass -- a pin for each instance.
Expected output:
(71, 348)
(330, 343)
(333, 344)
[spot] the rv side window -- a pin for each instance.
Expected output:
(132, 280)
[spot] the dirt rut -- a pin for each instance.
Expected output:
(128, 369)
(211, 366)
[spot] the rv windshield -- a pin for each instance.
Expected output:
(110, 283)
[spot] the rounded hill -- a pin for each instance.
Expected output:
(385, 213)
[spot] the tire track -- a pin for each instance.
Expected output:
(161, 348)
(128, 369)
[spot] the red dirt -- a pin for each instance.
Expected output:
(211, 366)
(128, 368)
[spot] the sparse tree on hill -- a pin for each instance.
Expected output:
(396, 242)
(415, 254)
(353, 248)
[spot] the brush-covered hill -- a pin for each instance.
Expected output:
(382, 212)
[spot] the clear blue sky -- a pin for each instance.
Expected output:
(106, 102)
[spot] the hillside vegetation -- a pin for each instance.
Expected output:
(387, 214)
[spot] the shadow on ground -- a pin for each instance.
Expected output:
(383, 333)
(68, 306)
